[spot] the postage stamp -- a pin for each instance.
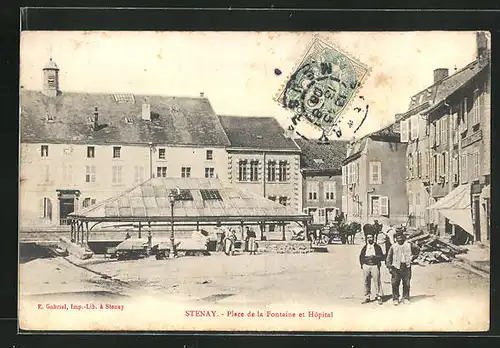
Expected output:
(322, 86)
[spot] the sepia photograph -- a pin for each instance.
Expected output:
(254, 181)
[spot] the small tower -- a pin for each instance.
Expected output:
(51, 79)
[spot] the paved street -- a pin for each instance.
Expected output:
(442, 294)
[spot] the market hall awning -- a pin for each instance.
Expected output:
(200, 200)
(456, 206)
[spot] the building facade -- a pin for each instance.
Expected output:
(373, 178)
(78, 149)
(264, 159)
(321, 169)
(447, 128)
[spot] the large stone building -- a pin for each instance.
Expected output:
(373, 178)
(321, 168)
(447, 128)
(78, 149)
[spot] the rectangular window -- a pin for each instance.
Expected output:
(209, 172)
(414, 127)
(45, 171)
(242, 170)
(68, 173)
(117, 174)
(312, 190)
(463, 168)
(344, 175)
(44, 151)
(254, 170)
(432, 134)
(116, 151)
(90, 151)
(375, 173)
(329, 187)
(90, 173)
(321, 216)
(283, 200)
(375, 205)
(210, 155)
(271, 171)
(161, 172)
(161, 153)
(138, 174)
(475, 117)
(283, 171)
(185, 172)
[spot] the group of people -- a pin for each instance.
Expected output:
(228, 241)
(398, 257)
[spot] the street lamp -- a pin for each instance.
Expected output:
(172, 198)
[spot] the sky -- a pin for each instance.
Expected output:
(235, 70)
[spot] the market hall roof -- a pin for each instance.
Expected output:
(201, 200)
(65, 118)
(322, 157)
(256, 133)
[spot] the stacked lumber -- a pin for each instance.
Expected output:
(434, 249)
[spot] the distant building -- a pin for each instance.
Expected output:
(264, 159)
(447, 128)
(321, 168)
(373, 178)
(78, 149)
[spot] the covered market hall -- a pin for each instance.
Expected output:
(184, 202)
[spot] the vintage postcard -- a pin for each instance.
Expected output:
(254, 181)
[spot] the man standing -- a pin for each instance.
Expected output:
(370, 259)
(398, 261)
(251, 240)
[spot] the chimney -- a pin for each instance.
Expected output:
(202, 95)
(95, 123)
(482, 45)
(146, 111)
(440, 74)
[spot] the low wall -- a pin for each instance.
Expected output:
(282, 247)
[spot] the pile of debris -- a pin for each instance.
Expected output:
(434, 249)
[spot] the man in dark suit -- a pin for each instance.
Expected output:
(370, 259)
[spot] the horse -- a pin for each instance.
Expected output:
(347, 232)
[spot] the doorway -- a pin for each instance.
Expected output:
(477, 225)
(67, 199)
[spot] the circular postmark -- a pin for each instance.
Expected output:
(321, 88)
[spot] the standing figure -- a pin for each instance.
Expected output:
(229, 240)
(370, 259)
(127, 236)
(251, 240)
(398, 261)
(377, 228)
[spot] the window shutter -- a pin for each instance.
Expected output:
(445, 129)
(349, 171)
(41, 208)
(424, 164)
(432, 134)
(438, 131)
(384, 205)
(344, 181)
(371, 170)
(466, 114)
(356, 178)
(404, 131)
(379, 170)
(446, 166)
(288, 172)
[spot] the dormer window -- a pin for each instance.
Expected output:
(210, 155)
(44, 151)
(116, 151)
(318, 161)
